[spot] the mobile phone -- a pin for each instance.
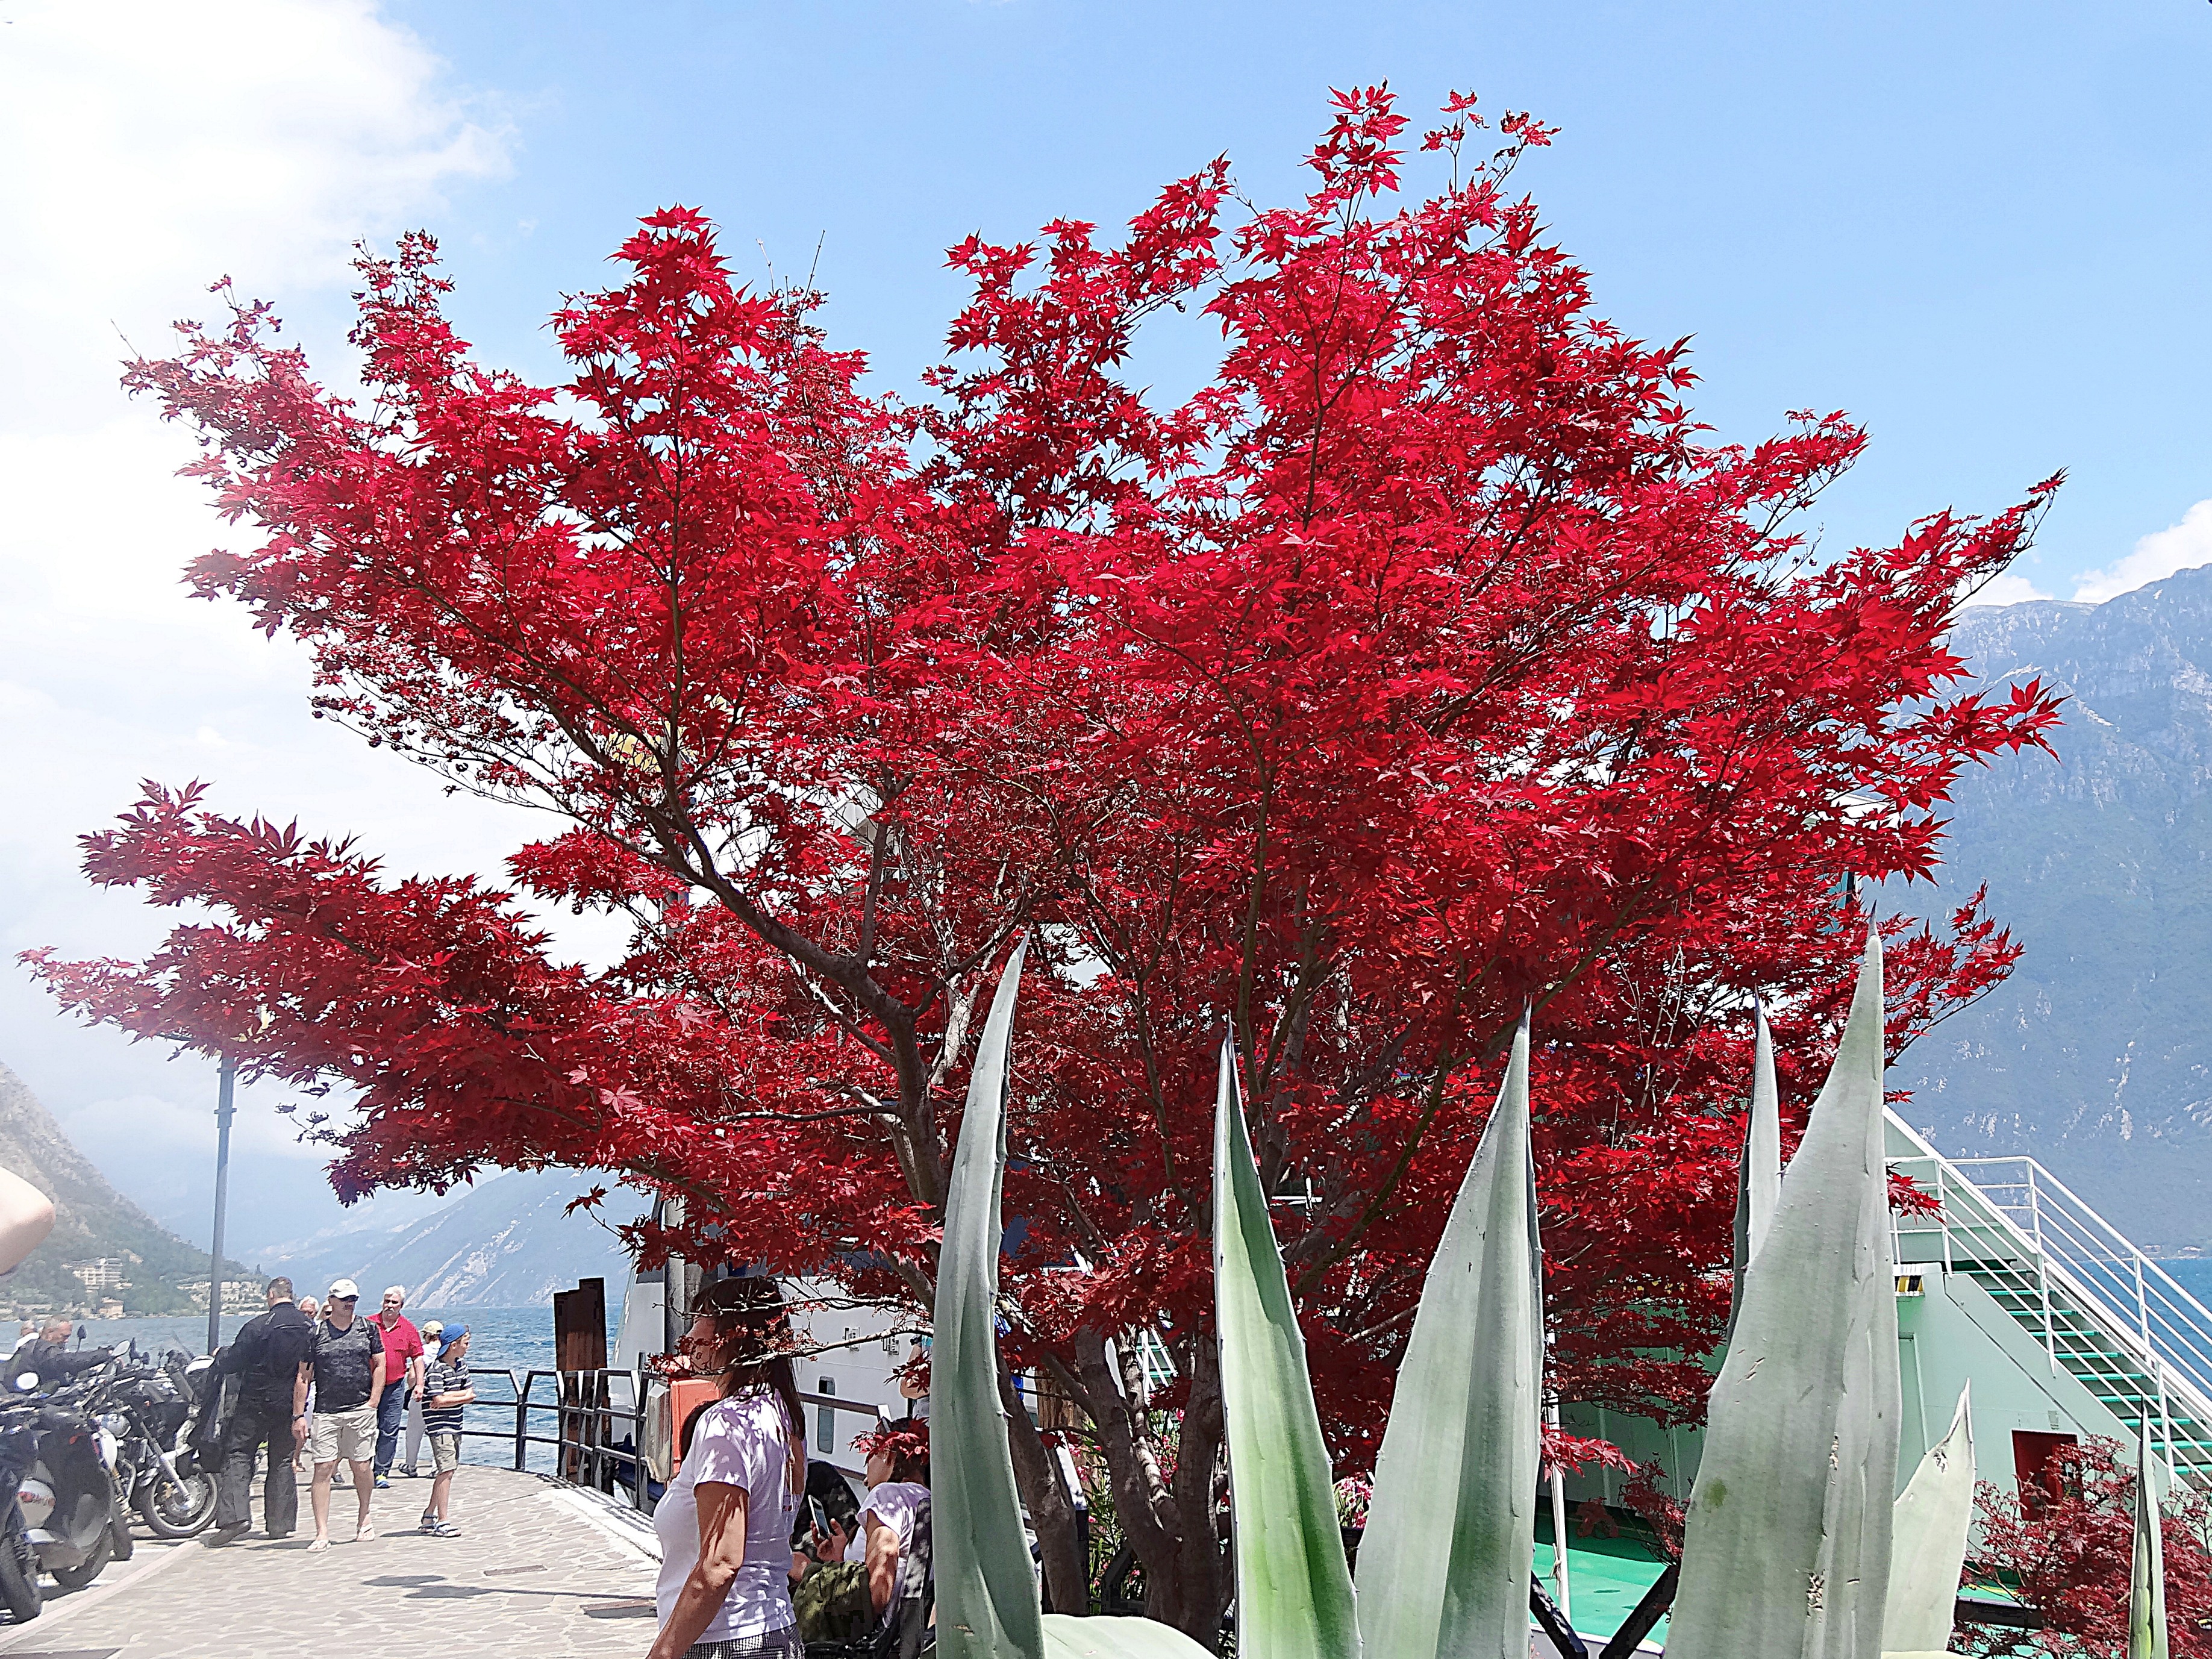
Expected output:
(821, 1518)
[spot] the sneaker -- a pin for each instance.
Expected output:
(384, 1483)
(445, 1529)
(407, 1469)
(230, 1535)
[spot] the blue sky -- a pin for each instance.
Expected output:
(1982, 230)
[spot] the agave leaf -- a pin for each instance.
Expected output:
(1927, 1550)
(1451, 1529)
(1759, 1168)
(1787, 1546)
(2147, 1633)
(1294, 1598)
(987, 1606)
(1066, 1638)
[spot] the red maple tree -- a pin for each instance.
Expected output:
(2067, 1551)
(1428, 662)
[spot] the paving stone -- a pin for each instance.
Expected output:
(530, 1576)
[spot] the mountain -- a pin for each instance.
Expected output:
(2096, 1055)
(92, 1220)
(504, 1244)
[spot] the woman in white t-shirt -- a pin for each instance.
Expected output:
(725, 1520)
(898, 1491)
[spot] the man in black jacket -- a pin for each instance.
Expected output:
(49, 1356)
(265, 1356)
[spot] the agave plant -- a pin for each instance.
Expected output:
(1790, 1527)
(1787, 1544)
(2147, 1634)
(988, 1605)
(1444, 1565)
(1927, 1547)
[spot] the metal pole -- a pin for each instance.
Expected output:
(675, 1311)
(1560, 1528)
(2042, 1271)
(224, 1110)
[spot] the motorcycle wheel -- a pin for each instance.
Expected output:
(19, 1579)
(77, 1577)
(173, 1513)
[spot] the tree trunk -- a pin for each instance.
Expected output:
(1052, 1509)
(1196, 1594)
(1170, 1526)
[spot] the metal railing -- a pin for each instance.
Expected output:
(2100, 1309)
(598, 1436)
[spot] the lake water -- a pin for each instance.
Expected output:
(501, 1340)
(2194, 1274)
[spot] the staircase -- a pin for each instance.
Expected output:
(2098, 1307)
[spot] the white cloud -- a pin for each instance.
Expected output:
(2008, 589)
(2183, 546)
(152, 147)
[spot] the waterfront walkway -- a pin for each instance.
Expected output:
(540, 1570)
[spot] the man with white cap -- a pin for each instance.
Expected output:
(403, 1360)
(347, 1368)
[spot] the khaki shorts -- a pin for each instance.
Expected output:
(348, 1434)
(445, 1453)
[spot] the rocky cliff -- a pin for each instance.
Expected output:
(506, 1244)
(91, 1220)
(2096, 1056)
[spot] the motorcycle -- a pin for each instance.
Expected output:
(19, 1559)
(67, 1502)
(146, 1409)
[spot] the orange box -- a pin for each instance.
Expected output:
(687, 1397)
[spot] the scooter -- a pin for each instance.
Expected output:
(71, 1510)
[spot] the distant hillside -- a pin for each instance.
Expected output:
(92, 1220)
(503, 1245)
(2096, 1056)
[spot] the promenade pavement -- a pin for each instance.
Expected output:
(541, 1570)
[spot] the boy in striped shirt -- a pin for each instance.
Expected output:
(445, 1389)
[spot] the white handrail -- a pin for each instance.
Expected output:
(2165, 1348)
(2184, 1324)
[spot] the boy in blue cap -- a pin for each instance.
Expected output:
(445, 1389)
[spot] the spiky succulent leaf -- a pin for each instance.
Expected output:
(1452, 1528)
(1759, 1166)
(1116, 1638)
(1294, 1598)
(1928, 1549)
(987, 1606)
(2147, 1634)
(1787, 1545)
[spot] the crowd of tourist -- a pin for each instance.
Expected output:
(317, 1383)
(762, 1552)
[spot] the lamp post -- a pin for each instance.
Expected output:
(224, 1110)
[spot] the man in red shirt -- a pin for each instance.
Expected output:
(403, 1366)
